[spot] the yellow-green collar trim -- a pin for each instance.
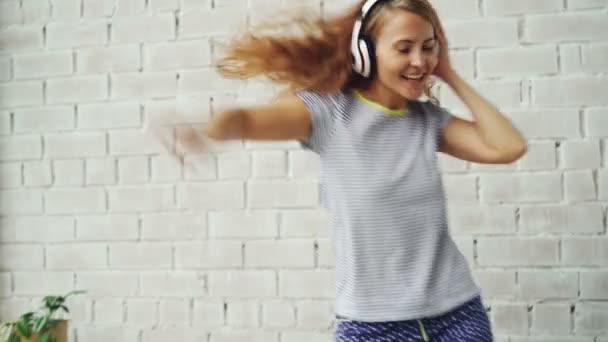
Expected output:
(392, 112)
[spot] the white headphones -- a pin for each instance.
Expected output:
(361, 46)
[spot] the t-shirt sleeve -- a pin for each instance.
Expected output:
(322, 108)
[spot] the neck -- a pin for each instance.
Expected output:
(382, 95)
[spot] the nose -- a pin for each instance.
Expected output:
(417, 58)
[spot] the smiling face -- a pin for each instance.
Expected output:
(407, 52)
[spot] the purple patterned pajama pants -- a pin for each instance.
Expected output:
(467, 323)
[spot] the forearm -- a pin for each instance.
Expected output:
(496, 130)
(226, 125)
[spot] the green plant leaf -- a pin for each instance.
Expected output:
(15, 338)
(41, 323)
(44, 337)
(23, 328)
(65, 308)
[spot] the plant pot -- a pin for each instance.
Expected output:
(60, 331)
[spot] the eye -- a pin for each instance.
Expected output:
(405, 50)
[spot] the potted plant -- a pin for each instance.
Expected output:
(41, 325)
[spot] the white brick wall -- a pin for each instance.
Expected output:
(234, 247)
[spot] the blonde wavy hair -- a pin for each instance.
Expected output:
(317, 57)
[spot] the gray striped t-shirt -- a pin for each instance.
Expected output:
(381, 184)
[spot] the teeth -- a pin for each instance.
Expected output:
(419, 77)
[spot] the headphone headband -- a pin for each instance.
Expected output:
(361, 50)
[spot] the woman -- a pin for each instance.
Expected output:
(355, 84)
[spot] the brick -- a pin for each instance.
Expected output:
(464, 62)
(104, 228)
(482, 32)
(242, 284)
(264, 254)
(42, 283)
(68, 172)
(134, 142)
(547, 124)
(603, 183)
(244, 336)
(10, 175)
(503, 93)
(5, 123)
(164, 5)
(42, 65)
(496, 284)
(74, 145)
(269, 164)
(18, 94)
(44, 119)
(303, 164)
(100, 171)
(178, 111)
(243, 224)
(541, 156)
(243, 314)
(178, 226)
(174, 312)
(569, 27)
(510, 319)
(99, 333)
(581, 154)
(35, 11)
(304, 223)
(140, 255)
(37, 173)
(209, 254)
(466, 246)
(596, 122)
(506, 8)
(180, 334)
(76, 256)
(521, 188)
(206, 81)
(537, 60)
(325, 254)
(579, 186)
(6, 66)
(218, 196)
(591, 318)
(200, 167)
(278, 314)
(20, 147)
(594, 57)
(585, 91)
(98, 60)
(75, 201)
(165, 168)
(143, 86)
(65, 10)
(551, 319)
(585, 251)
(548, 284)
(108, 311)
(315, 314)
(208, 313)
(282, 194)
(141, 199)
(77, 89)
(448, 9)
(143, 28)
(517, 252)
(578, 219)
(295, 336)
(307, 284)
(10, 13)
(6, 287)
(109, 115)
(178, 55)
(133, 169)
(586, 4)
(234, 165)
(21, 38)
(76, 34)
(44, 229)
(570, 58)
(482, 219)
(102, 8)
(108, 284)
(206, 23)
(20, 202)
(21, 257)
(594, 284)
(142, 312)
(173, 284)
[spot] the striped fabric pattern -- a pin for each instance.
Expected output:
(381, 184)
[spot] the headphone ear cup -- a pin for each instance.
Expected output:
(369, 56)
